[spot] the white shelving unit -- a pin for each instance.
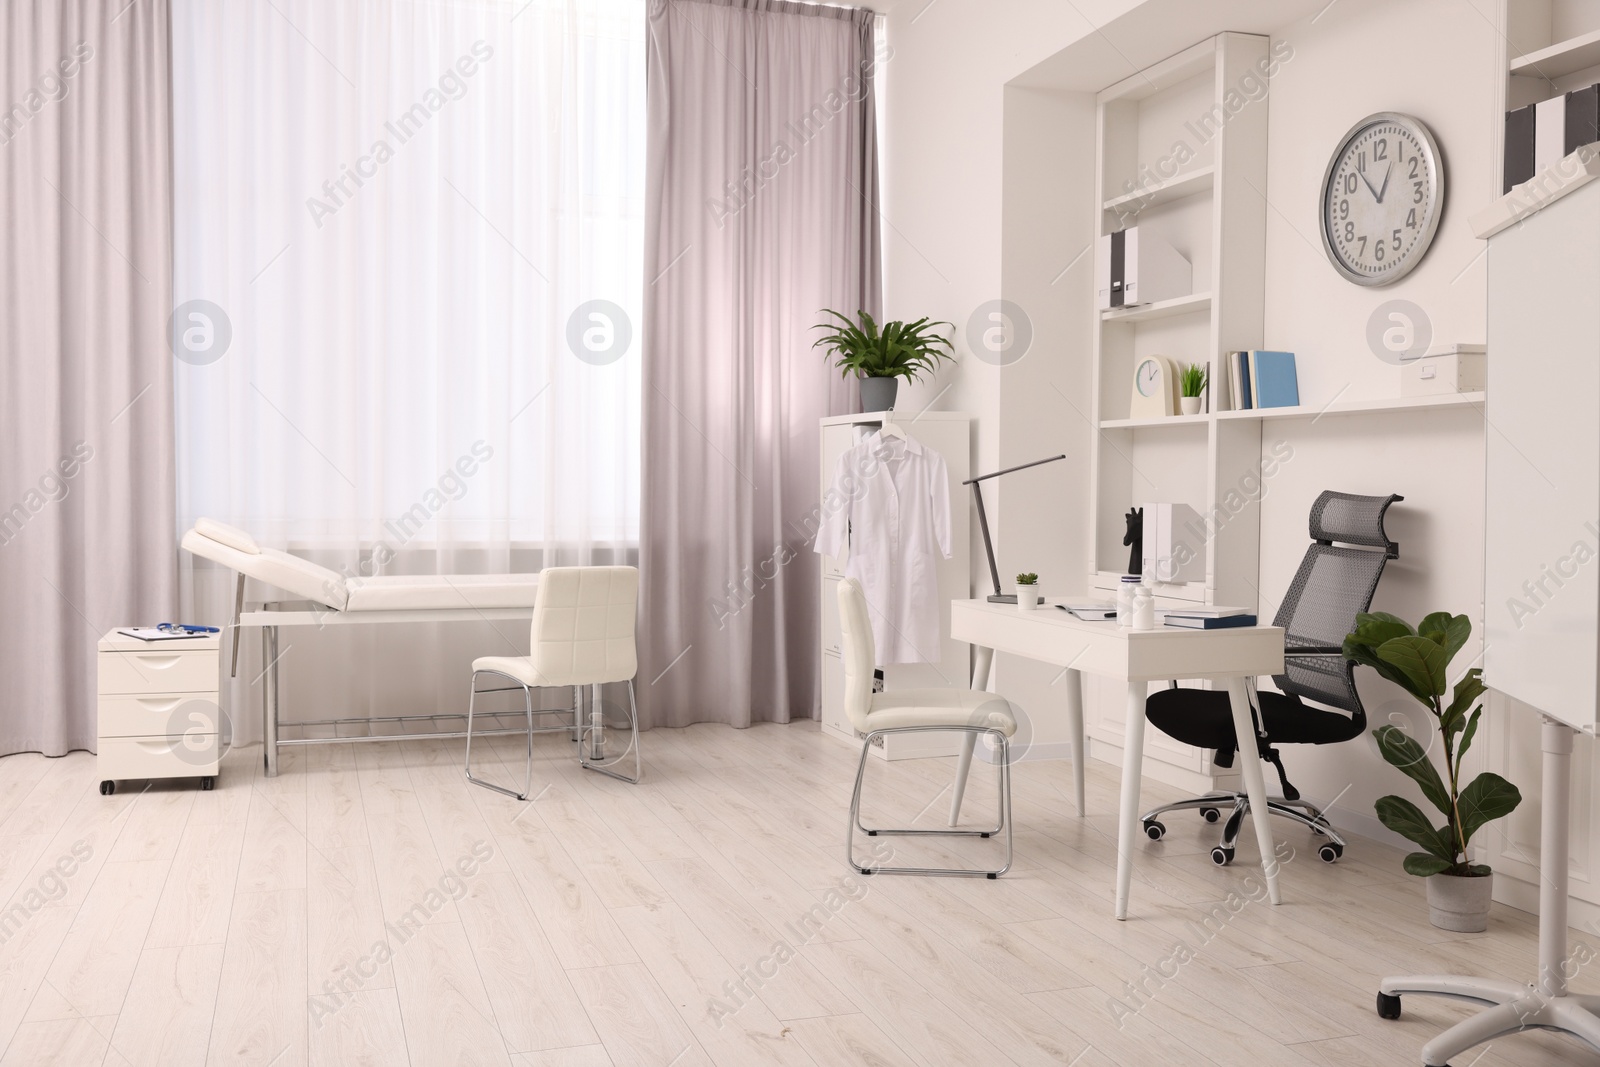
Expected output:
(1552, 46)
(1181, 458)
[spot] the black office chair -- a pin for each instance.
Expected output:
(1335, 582)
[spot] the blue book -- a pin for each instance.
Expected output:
(1202, 622)
(1244, 380)
(1274, 383)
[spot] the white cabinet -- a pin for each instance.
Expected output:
(949, 434)
(158, 708)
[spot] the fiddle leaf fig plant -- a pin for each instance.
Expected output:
(1417, 659)
(896, 350)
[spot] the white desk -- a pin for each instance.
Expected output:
(1137, 657)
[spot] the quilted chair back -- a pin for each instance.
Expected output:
(583, 625)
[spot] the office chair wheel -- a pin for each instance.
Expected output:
(1154, 830)
(107, 788)
(1210, 814)
(1331, 852)
(1222, 855)
(1388, 1007)
(208, 783)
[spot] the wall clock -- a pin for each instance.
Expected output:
(1154, 388)
(1381, 198)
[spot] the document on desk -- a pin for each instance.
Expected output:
(1090, 610)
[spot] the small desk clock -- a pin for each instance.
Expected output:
(1155, 388)
(1381, 198)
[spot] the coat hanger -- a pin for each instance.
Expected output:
(891, 428)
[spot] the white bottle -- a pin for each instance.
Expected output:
(1125, 589)
(1144, 608)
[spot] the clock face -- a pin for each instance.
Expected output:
(1148, 378)
(1381, 198)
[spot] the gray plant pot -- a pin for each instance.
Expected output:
(877, 394)
(1460, 904)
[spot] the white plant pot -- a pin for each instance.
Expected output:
(1027, 597)
(1190, 405)
(1460, 904)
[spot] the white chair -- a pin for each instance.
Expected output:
(582, 635)
(963, 711)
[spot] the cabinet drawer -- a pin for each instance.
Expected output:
(157, 757)
(158, 672)
(158, 715)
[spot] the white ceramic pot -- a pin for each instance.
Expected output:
(1460, 904)
(1027, 597)
(1190, 405)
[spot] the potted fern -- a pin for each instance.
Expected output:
(1191, 383)
(880, 357)
(1418, 661)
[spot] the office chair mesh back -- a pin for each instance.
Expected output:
(1334, 584)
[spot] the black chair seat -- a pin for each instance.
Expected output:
(1204, 718)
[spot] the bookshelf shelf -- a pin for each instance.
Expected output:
(1356, 407)
(1190, 183)
(1161, 309)
(1560, 59)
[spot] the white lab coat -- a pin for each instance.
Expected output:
(890, 503)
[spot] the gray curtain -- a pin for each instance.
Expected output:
(86, 465)
(761, 192)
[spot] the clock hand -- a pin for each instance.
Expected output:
(1370, 189)
(1386, 171)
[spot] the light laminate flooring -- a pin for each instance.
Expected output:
(368, 906)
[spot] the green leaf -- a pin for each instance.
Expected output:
(1421, 660)
(1469, 687)
(1466, 738)
(893, 350)
(1407, 820)
(1422, 865)
(1489, 797)
(1453, 630)
(1365, 655)
(1401, 750)
(1375, 627)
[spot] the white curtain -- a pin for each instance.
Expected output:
(414, 230)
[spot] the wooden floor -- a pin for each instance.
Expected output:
(369, 907)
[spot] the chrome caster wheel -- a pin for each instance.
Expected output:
(1330, 852)
(1154, 830)
(1388, 1007)
(1210, 814)
(1222, 855)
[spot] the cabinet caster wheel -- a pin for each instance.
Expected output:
(107, 788)
(1154, 830)
(208, 783)
(1388, 1007)
(1330, 852)
(1222, 855)
(1210, 814)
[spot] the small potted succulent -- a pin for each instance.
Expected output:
(1027, 591)
(880, 357)
(1191, 383)
(1418, 661)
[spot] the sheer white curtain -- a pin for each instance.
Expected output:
(417, 227)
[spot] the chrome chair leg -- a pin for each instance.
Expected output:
(527, 696)
(633, 740)
(1004, 823)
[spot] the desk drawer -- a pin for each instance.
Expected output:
(158, 672)
(157, 757)
(158, 715)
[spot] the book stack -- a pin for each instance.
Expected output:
(1259, 379)
(1209, 618)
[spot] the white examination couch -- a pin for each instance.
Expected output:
(329, 598)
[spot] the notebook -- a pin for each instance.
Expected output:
(1273, 382)
(1199, 622)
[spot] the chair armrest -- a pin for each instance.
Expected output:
(1315, 650)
